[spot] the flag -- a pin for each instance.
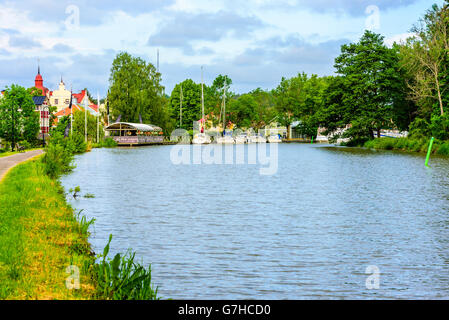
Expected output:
(70, 104)
(67, 129)
(107, 104)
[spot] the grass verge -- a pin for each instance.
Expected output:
(39, 238)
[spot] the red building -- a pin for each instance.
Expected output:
(39, 83)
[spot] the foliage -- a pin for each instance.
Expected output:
(79, 125)
(121, 278)
(439, 126)
(191, 103)
(18, 119)
(57, 160)
(136, 90)
(371, 81)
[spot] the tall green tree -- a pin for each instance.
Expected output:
(370, 72)
(18, 118)
(136, 90)
(191, 103)
(243, 112)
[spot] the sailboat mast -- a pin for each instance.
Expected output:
(180, 108)
(98, 117)
(224, 110)
(202, 98)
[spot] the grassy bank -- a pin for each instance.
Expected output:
(39, 238)
(409, 144)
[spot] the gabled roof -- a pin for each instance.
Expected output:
(79, 96)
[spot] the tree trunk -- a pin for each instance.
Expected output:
(378, 133)
(440, 100)
(288, 132)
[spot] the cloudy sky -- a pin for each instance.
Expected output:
(255, 42)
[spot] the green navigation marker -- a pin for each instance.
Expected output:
(429, 151)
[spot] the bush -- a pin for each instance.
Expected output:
(108, 143)
(57, 160)
(419, 128)
(439, 126)
(443, 149)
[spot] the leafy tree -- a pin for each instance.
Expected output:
(265, 109)
(425, 57)
(136, 90)
(242, 111)
(33, 91)
(18, 119)
(372, 84)
(191, 103)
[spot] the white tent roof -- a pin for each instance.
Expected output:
(133, 126)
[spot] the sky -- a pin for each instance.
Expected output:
(254, 42)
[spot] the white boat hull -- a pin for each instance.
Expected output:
(201, 139)
(225, 140)
(257, 139)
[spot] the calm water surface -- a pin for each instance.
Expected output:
(309, 231)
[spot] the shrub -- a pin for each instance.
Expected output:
(57, 160)
(419, 128)
(443, 149)
(108, 143)
(439, 126)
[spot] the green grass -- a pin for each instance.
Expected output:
(40, 237)
(409, 144)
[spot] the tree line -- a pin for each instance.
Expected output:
(375, 87)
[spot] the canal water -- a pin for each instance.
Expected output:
(312, 230)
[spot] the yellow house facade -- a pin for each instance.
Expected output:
(60, 98)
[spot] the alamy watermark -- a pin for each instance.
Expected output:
(372, 22)
(72, 22)
(73, 280)
(373, 280)
(265, 155)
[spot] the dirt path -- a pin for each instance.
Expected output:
(6, 163)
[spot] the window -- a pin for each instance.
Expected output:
(67, 101)
(56, 101)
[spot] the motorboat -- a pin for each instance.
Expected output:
(274, 139)
(241, 139)
(201, 138)
(257, 139)
(225, 140)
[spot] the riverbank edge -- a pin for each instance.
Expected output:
(44, 245)
(409, 145)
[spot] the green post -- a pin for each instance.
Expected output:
(312, 141)
(429, 151)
